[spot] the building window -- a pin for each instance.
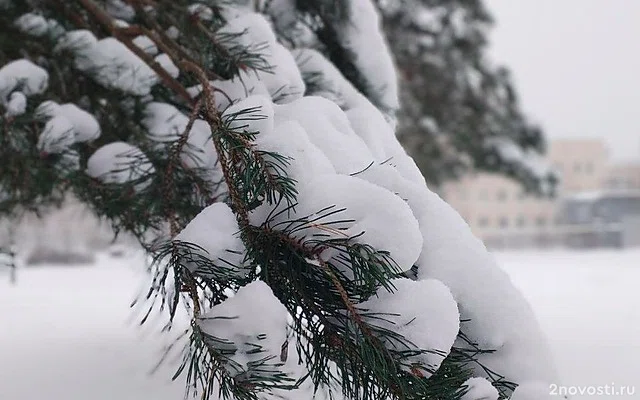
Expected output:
(504, 222)
(541, 221)
(577, 167)
(483, 195)
(483, 222)
(521, 222)
(502, 195)
(522, 195)
(588, 168)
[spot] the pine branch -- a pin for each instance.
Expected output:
(124, 36)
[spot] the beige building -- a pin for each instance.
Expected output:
(623, 176)
(495, 206)
(583, 164)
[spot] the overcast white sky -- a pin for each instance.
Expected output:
(576, 64)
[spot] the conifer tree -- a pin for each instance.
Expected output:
(459, 113)
(249, 147)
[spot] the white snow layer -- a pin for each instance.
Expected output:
(85, 126)
(425, 313)
(119, 162)
(24, 75)
(57, 135)
(109, 62)
(216, 231)
(16, 105)
(480, 389)
(361, 32)
(32, 24)
(253, 317)
(165, 123)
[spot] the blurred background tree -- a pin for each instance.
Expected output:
(459, 112)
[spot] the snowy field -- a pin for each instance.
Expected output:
(68, 333)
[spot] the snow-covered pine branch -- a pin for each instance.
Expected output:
(271, 190)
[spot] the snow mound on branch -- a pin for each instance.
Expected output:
(250, 31)
(165, 62)
(227, 92)
(424, 312)
(109, 62)
(165, 124)
(32, 24)
(85, 126)
(284, 80)
(255, 114)
(380, 218)
(253, 32)
(216, 231)
(17, 104)
(371, 126)
(327, 129)
(327, 80)
(57, 135)
(479, 389)
(498, 316)
(118, 163)
(146, 44)
(253, 317)
(361, 34)
(291, 140)
(25, 75)
(201, 11)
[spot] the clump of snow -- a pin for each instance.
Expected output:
(479, 389)
(32, 24)
(498, 317)
(216, 231)
(362, 35)
(253, 321)
(328, 81)
(283, 79)
(250, 30)
(291, 140)
(382, 219)
(85, 126)
(255, 114)
(109, 62)
(168, 65)
(371, 126)
(57, 135)
(201, 11)
(425, 313)
(119, 162)
(24, 75)
(77, 40)
(329, 130)
(165, 123)
(119, 9)
(146, 44)
(227, 92)
(17, 104)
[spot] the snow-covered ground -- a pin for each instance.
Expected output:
(68, 333)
